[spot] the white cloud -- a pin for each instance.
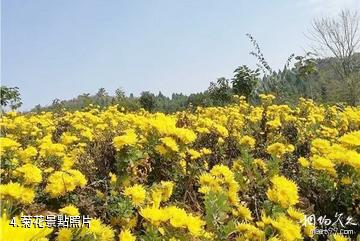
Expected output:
(330, 7)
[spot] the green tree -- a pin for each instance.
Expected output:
(10, 96)
(84, 100)
(288, 84)
(119, 94)
(305, 67)
(220, 92)
(147, 100)
(245, 81)
(102, 98)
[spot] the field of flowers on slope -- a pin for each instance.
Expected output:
(239, 172)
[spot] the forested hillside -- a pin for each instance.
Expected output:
(320, 82)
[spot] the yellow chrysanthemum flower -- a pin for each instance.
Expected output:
(137, 194)
(129, 139)
(126, 235)
(70, 210)
(283, 192)
(30, 173)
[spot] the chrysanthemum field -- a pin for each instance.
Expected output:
(241, 172)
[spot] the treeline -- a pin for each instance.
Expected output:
(302, 76)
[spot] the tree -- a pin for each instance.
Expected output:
(102, 97)
(57, 105)
(119, 93)
(339, 37)
(199, 99)
(147, 100)
(245, 81)
(84, 100)
(37, 108)
(304, 68)
(10, 96)
(287, 84)
(220, 92)
(101, 93)
(161, 95)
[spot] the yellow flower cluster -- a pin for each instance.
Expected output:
(7, 144)
(279, 149)
(30, 173)
(61, 182)
(351, 139)
(235, 172)
(137, 194)
(162, 192)
(17, 192)
(326, 156)
(176, 217)
(283, 192)
(129, 139)
(126, 235)
(220, 178)
(96, 231)
(70, 210)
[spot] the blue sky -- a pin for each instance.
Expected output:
(63, 48)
